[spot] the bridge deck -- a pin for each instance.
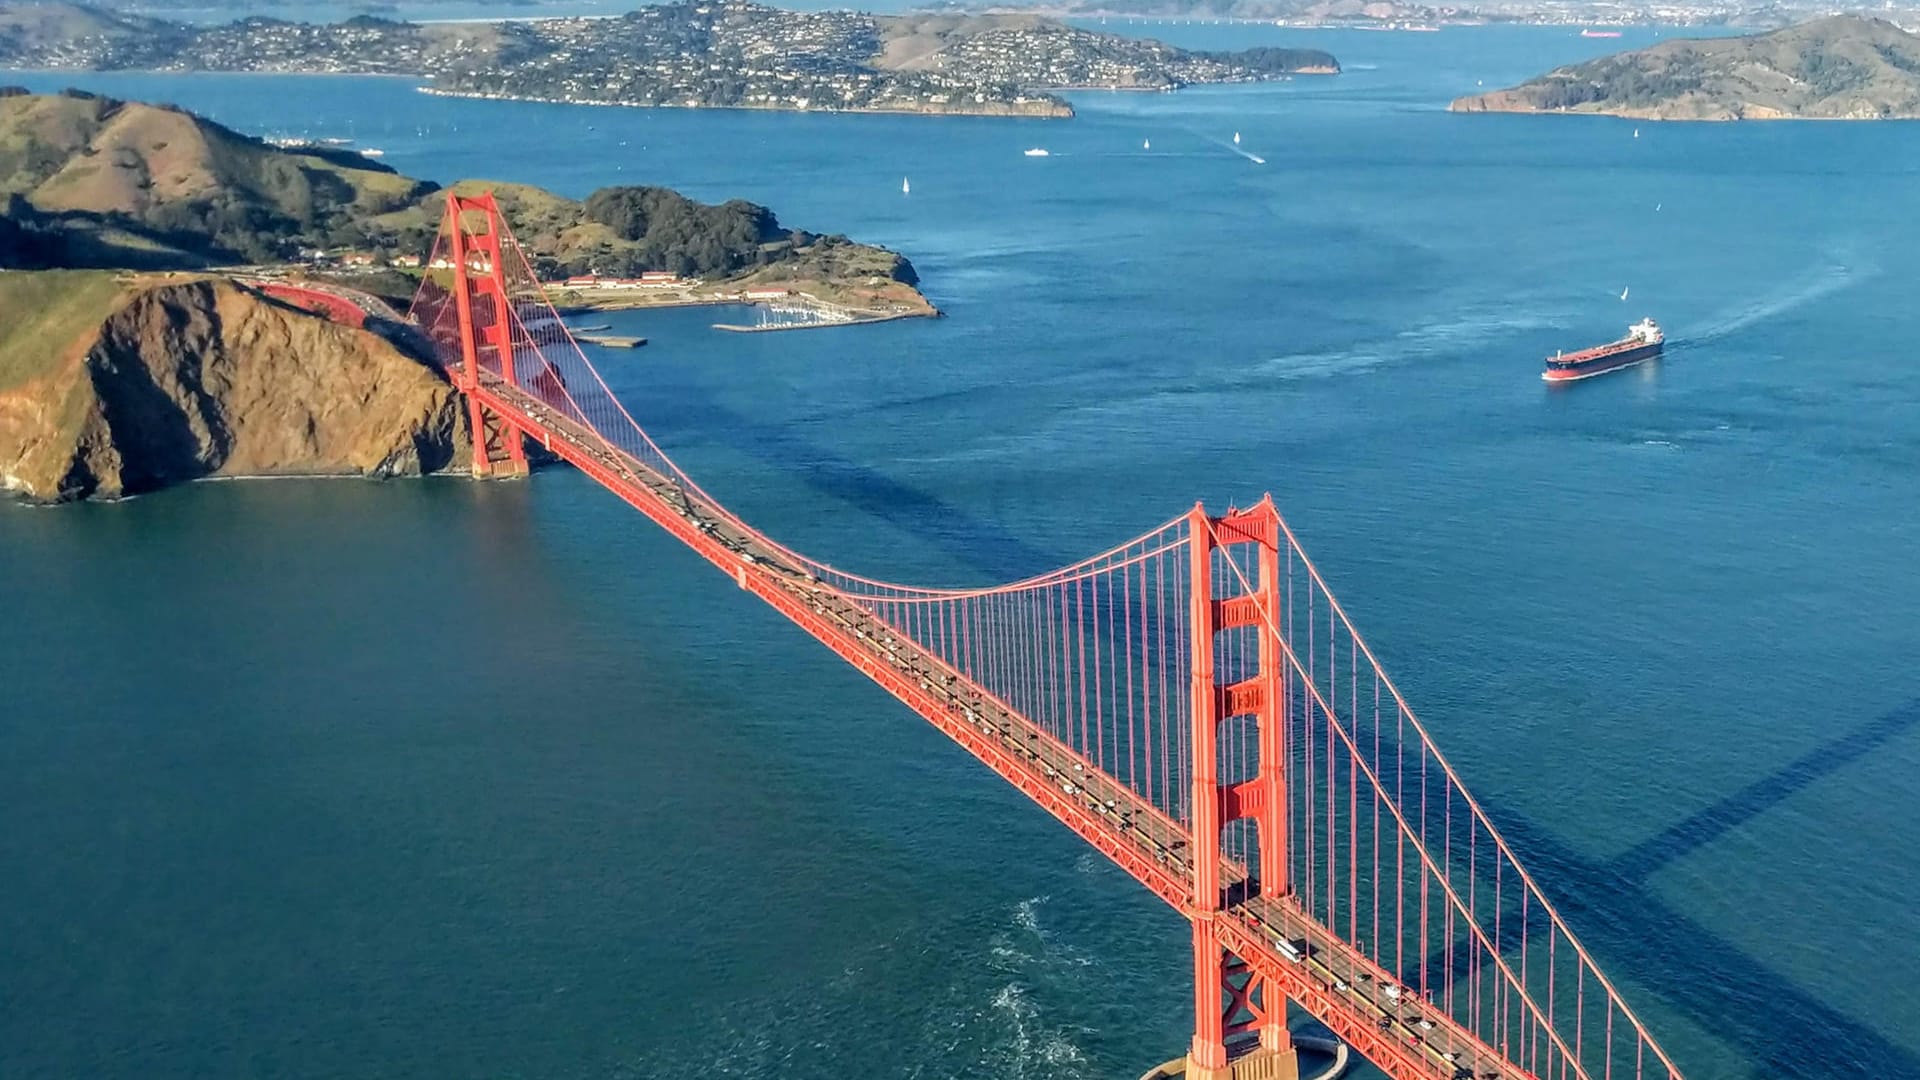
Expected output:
(1358, 1001)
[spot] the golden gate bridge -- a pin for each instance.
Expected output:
(1194, 703)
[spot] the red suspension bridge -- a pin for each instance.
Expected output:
(1194, 703)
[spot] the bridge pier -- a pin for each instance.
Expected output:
(499, 448)
(1260, 1064)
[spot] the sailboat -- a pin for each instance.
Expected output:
(1146, 144)
(1623, 293)
(1236, 138)
(905, 188)
(1636, 133)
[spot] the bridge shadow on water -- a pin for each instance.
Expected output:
(1780, 1027)
(987, 546)
(1731, 994)
(1713, 822)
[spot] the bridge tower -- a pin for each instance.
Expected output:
(474, 234)
(1240, 1018)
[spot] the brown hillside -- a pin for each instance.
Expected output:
(167, 381)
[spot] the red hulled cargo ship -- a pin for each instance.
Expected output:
(1642, 342)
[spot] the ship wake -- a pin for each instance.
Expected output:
(1810, 287)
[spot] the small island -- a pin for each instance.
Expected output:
(688, 54)
(179, 300)
(1844, 67)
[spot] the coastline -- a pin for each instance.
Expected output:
(1012, 112)
(855, 316)
(1470, 107)
(866, 320)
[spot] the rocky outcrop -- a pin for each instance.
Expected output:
(206, 378)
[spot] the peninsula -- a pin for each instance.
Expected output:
(1844, 67)
(689, 54)
(179, 300)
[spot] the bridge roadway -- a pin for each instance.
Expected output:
(1358, 1001)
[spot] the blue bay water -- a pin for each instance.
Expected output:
(336, 778)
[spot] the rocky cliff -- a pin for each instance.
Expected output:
(130, 385)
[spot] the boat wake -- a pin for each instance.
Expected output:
(1456, 337)
(1816, 284)
(1228, 146)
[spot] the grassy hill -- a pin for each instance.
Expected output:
(88, 181)
(1845, 67)
(123, 183)
(49, 313)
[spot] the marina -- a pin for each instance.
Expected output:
(803, 312)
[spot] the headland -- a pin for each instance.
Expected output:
(1844, 67)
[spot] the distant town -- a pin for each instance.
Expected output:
(691, 54)
(1404, 15)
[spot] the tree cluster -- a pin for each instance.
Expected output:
(668, 231)
(1273, 60)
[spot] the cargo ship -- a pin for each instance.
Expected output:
(1642, 342)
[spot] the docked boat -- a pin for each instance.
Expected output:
(1642, 343)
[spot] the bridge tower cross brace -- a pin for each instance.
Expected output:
(480, 291)
(1231, 998)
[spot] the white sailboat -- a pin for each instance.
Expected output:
(1236, 138)
(905, 188)
(1146, 144)
(1636, 133)
(1623, 293)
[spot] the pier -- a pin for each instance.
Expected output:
(803, 312)
(610, 341)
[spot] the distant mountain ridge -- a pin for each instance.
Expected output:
(1844, 67)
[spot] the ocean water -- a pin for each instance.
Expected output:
(436, 778)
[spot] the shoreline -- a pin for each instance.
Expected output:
(855, 316)
(1646, 118)
(868, 320)
(17, 497)
(989, 114)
